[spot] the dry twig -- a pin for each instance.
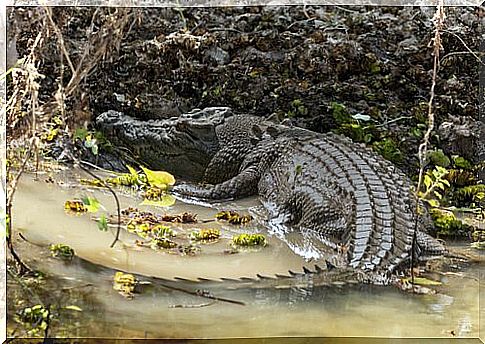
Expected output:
(438, 19)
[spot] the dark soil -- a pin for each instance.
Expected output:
(316, 67)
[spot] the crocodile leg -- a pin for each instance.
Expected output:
(243, 185)
(224, 165)
(429, 246)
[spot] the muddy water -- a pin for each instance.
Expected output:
(305, 309)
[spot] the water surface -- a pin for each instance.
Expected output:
(271, 309)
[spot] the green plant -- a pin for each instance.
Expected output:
(92, 140)
(434, 181)
(356, 132)
(388, 149)
(461, 162)
(447, 224)
(471, 193)
(340, 113)
(35, 319)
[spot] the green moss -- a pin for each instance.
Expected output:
(438, 158)
(388, 149)
(356, 132)
(340, 113)
(460, 162)
(448, 225)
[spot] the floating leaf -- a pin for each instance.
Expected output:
(424, 281)
(125, 284)
(92, 204)
(162, 243)
(103, 223)
(160, 179)
(153, 193)
(132, 171)
(188, 250)
(73, 308)
(162, 231)
(181, 218)
(75, 206)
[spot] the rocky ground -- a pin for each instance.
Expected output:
(363, 71)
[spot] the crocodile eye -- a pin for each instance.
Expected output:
(181, 126)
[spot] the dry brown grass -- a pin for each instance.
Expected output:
(23, 110)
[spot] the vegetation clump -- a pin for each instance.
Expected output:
(233, 217)
(472, 194)
(248, 240)
(388, 149)
(157, 242)
(125, 284)
(478, 239)
(448, 225)
(75, 206)
(435, 184)
(205, 235)
(438, 158)
(154, 184)
(61, 251)
(35, 319)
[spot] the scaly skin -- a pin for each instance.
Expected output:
(326, 197)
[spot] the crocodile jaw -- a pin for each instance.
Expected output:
(183, 145)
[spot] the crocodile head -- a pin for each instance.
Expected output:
(182, 145)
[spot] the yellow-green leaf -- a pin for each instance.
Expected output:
(165, 201)
(74, 308)
(92, 204)
(132, 171)
(103, 223)
(427, 181)
(433, 202)
(159, 179)
(425, 281)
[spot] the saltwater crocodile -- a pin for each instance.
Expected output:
(324, 195)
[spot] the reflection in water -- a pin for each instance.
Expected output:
(300, 306)
(443, 301)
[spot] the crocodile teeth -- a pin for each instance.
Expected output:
(265, 277)
(307, 271)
